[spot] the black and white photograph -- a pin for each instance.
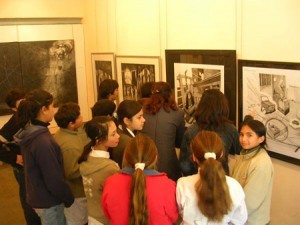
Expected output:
(49, 65)
(272, 95)
(191, 81)
(103, 68)
(133, 72)
(190, 72)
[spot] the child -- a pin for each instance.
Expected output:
(95, 165)
(254, 171)
(71, 138)
(10, 153)
(130, 120)
(210, 197)
(140, 194)
(108, 89)
(47, 191)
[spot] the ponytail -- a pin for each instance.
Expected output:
(213, 194)
(138, 204)
(140, 153)
(214, 199)
(30, 107)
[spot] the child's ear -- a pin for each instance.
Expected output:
(126, 121)
(261, 139)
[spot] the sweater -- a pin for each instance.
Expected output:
(160, 192)
(94, 172)
(254, 171)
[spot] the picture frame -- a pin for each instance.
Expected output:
(207, 69)
(133, 72)
(103, 67)
(271, 92)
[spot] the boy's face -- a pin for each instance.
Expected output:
(77, 123)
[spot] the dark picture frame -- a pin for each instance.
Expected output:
(103, 67)
(225, 58)
(271, 92)
(133, 72)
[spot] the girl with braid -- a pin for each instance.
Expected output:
(210, 197)
(140, 195)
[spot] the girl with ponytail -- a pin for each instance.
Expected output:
(95, 165)
(210, 197)
(46, 189)
(140, 195)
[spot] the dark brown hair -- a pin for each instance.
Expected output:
(212, 111)
(161, 97)
(214, 200)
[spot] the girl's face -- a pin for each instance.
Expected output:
(112, 137)
(249, 139)
(136, 122)
(48, 113)
(115, 95)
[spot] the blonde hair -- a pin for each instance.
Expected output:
(214, 200)
(140, 149)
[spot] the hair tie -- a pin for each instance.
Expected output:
(140, 166)
(208, 155)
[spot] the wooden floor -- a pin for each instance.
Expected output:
(10, 207)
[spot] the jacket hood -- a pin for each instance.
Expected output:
(24, 136)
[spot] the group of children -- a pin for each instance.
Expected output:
(125, 170)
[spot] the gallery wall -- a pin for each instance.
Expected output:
(256, 29)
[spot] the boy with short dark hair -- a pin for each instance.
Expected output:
(71, 138)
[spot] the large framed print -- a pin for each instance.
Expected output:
(191, 72)
(133, 72)
(271, 92)
(103, 68)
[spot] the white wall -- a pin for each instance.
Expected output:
(257, 29)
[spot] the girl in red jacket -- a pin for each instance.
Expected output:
(140, 194)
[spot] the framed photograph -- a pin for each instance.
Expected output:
(103, 68)
(133, 72)
(271, 91)
(191, 72)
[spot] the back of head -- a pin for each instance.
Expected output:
(67, 113)
(161, 97)
(146, 89)
(140, 153)
(30, 107)
(103, 107)
(97, 130)
(13, 96)
(106, 88)
(214, 200)
(212, 110)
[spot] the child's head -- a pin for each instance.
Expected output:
(252, 134)
(212, 110)
(140, 149)
(214, 200)
(14, 97)
(103, 134)
(102, 130)
(38, 104)
(108, 89)
(130, 115)
(146, 89)
(103, 107)
(68, 116)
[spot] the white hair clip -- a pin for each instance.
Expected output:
(140, 166)
(208, 155)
